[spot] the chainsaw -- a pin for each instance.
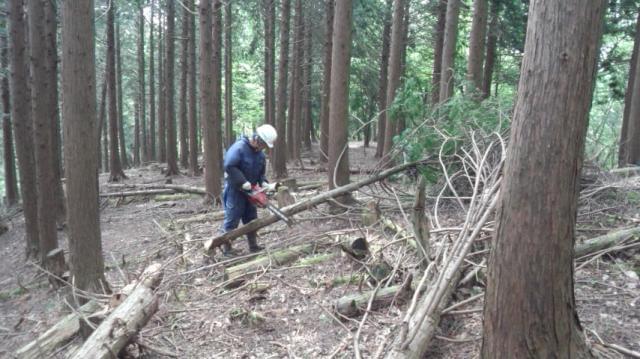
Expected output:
(258, 197)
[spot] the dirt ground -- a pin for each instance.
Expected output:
(287, 310)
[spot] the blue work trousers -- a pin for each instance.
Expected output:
(236, 207)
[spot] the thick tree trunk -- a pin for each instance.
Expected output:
(326, 82)
(629, 152)
(152, 90)
(115, 166)
(448, 50)
(43, 112)
(384, 79)
(492, 44)
(339, 99)
(170, 119)
(142, 86)
(228, 78)
(207, 110)
(531, 264)
(477, 44)
(395, 53)
(269, 61)
(217, 85)
(438, 42)
(194, 147)
(122, 136)
(80, 150)
(10, 180)
(280, 148)
(295, 120)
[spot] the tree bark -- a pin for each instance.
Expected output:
(144, 143)
(384, 79)
(307, 62)
(115, 166)
(492, 44)
(170, 119)
(531, 264)
(207, 110)
(124, 159)
(162, 93)
(228, 78)
(448, 50)
(339, 99)
(136, 132)
(280, 148)
(438, 42)
(103, 134)
(629, 152)
(184, 63)
(11, 183)
(194, 147)
(295, 120)
(477, 45)
(80, 150)
(269, 61)
(43, 111)
(326, 82)
(152, 90)
(395, 53)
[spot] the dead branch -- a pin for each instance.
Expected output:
(608, 240)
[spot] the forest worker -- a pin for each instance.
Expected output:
(244, 167)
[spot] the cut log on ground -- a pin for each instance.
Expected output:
(121, 326)
(174, 187)
(276, 258)
(353, 304)
(60, 333)
(626, 171)
(301, 206)
(606, 241)
(147, 192)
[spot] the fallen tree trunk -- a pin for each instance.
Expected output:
(301, 206)
(61, 332)
(606, 241)
(126, 320)
(278, 258)
(353, 304)
(138, 193)
(626, 171)
(175, 187)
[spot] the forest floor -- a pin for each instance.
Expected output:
(287, 310)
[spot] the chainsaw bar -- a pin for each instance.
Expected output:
(275, 210)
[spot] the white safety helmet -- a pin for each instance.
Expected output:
(267, 134)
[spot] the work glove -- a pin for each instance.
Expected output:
(246, 186)
(270, 187)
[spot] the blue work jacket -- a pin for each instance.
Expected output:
(243, 163)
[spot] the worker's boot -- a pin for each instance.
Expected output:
(228, 251)
(252, 238)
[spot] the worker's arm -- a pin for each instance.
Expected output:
(231, 162)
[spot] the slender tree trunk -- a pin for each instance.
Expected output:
(629, 97)
(296, 85)
(136, 133)
(11, 183)
(477, 45)
(280, 148)
(207, 110)
(162, 95)
(269, 60)
(80, 150)
(448, 50)
(115, 166)
(141, 83)
(102, 118)
(170, 119)
(531, 263)
(438, 42)
(400, 122)
(228, 80)
(492, 44)
(395, 52)
(22, 122)
(382, 82)
(152, 90)
(339, 98)
(217, 82)
(307, 121)
(326, 82)
(122, 135)
(43, 111)
(192, 110)
(184, 63)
